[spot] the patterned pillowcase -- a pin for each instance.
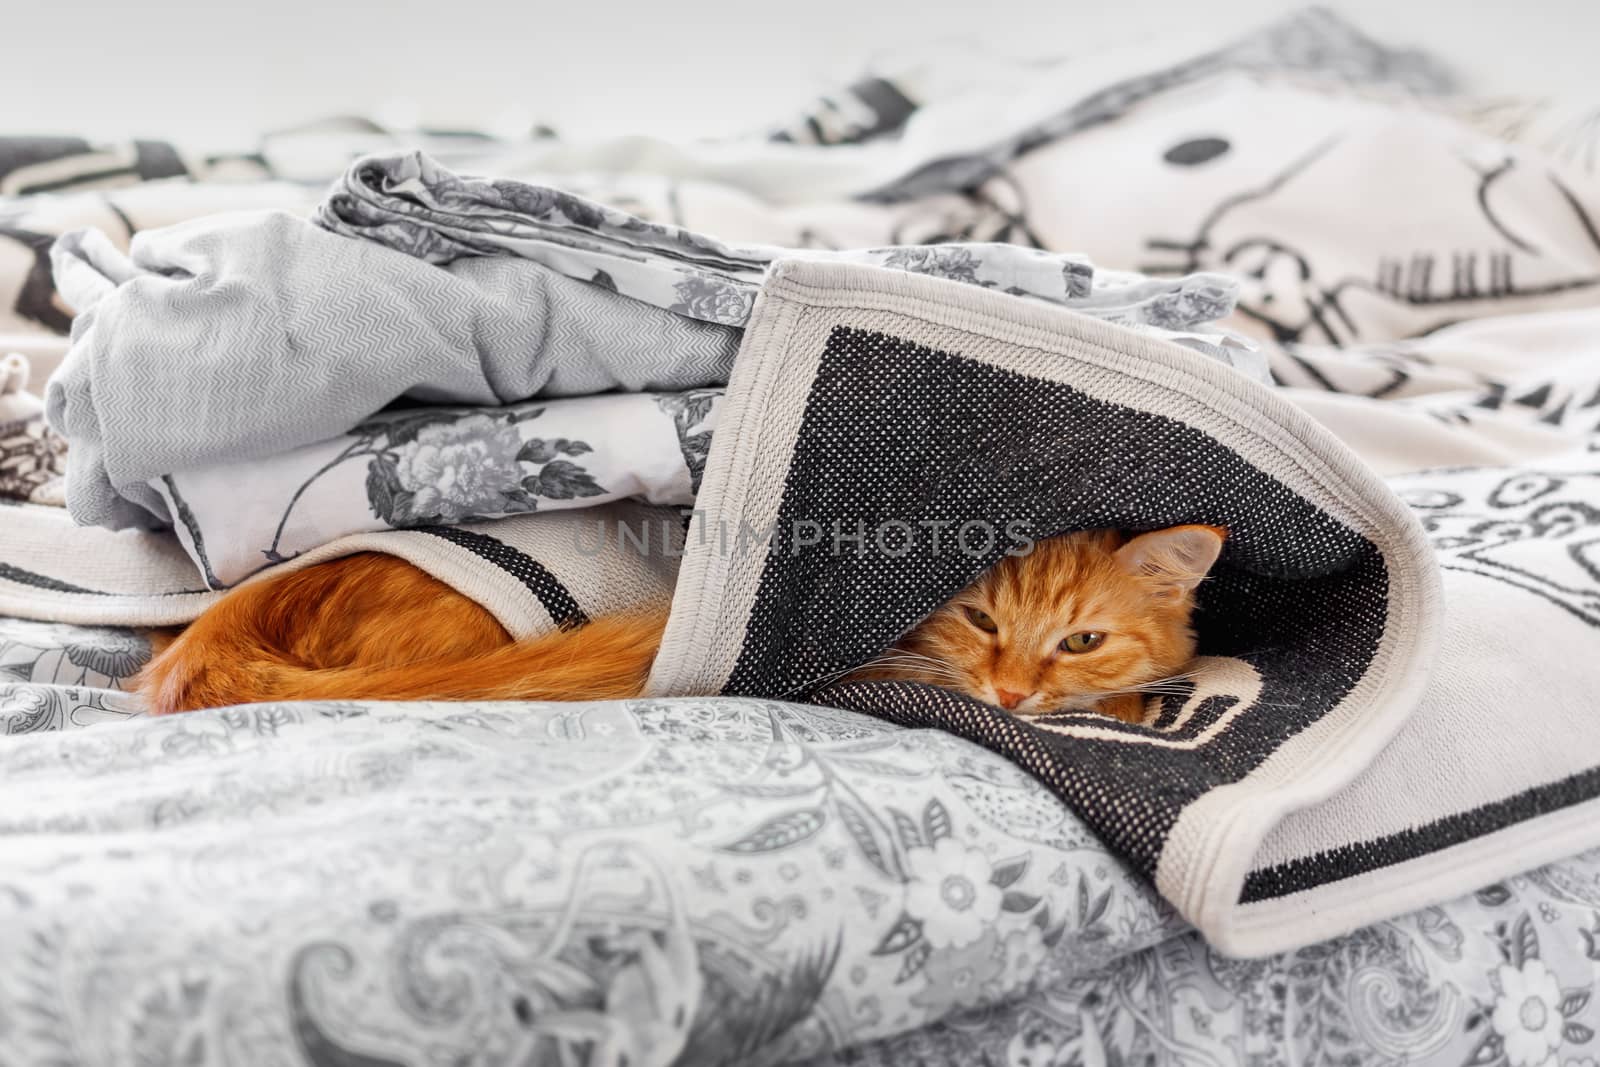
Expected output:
(33, 458)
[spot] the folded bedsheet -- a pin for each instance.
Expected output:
(245, 336)
(541, 293)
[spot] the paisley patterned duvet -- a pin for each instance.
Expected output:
(653, 882)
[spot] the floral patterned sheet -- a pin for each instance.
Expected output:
(717, 881)
(1504, 977)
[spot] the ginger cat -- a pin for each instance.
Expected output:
(1087, 621)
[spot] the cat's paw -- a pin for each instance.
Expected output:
(1129, 707)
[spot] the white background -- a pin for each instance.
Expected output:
(211, 73)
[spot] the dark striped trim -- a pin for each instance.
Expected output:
(41, 581)
(17, 153)
(1348, 861)
(556, 600)
(155, 160)
(890, 106)
(11, 573)
(152, 160)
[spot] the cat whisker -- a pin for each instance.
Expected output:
(1175, 685)
(902, 657)
(1181, 676)
(907, 654)
(912, 661)
(824, 679)
(1147, 689)
(916, 674)
(916, 666)
(906, 664)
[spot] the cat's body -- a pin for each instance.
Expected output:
(1088, 621)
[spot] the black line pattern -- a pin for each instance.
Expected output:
(557, 601)
(946, 446)
(1365, 856)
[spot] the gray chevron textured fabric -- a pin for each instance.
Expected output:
(249, 335)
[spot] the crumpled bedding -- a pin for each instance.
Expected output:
(1504, 975)
(702, 881)
(319, 332)
(322, 331)
(354, 883)
(378, 883)
(542, 294)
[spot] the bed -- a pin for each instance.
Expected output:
(372, 884)
(1369, 839)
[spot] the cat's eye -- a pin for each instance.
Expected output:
(981, 620)
(1087, 641)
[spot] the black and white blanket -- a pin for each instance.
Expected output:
(1394, 704)
(1263, 804)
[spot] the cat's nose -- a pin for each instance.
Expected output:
(1009, 699)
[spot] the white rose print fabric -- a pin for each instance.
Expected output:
(443, 466)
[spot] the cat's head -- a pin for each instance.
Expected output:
(1081, 616)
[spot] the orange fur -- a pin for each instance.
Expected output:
(1137, 593)
(375, 627)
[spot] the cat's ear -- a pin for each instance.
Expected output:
(1174, 559)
